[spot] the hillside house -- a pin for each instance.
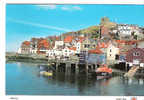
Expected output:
(103, 46)
(58, 44)
(43, 46)
(78, 44)
(19, 51)
(86, 44)
(34, 45)
(54, 53)
(25, 47)
(127, 31)
(140, 44)
(135, 56)
(68, 40)
(112, 53)
(67, 52)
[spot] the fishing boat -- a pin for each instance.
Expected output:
(103, 72)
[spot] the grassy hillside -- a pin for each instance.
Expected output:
(92, 31)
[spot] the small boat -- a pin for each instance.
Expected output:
(45, 73)
(103, 72)
(48, 73)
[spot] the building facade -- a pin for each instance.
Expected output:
(112, 53)
(25, 48)
(135, 56)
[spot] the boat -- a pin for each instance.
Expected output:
(45, 72)
(103, 72)
(48, 73)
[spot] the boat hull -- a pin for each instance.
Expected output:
(101, 75)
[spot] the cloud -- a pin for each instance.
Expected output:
(77, 8)
(47, 7)
(64, 7)
(71, 8)
(39, 25)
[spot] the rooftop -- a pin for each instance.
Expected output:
(68, 39)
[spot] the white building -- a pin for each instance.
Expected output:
(50, 53)
(19, 51)
(112, 52)
(68, 51)
(124, 29)
(58, 43)
(78, 47)
(33, 50)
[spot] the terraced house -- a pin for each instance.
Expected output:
(25, 48)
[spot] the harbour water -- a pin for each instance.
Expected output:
(25, 79)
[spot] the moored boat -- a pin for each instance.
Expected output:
(48, 73)
(103, 72)
(45, 72)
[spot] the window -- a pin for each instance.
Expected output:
(110, 50)
(116, 57)
(86, 45)
(136, 54)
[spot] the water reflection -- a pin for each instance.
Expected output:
(29, 78)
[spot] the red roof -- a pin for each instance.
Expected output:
(127, 42)
(73, 48)
(26, 43)
(44, 43)
(81, 39)
(95, 51)
(68, 39)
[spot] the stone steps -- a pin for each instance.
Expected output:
(131, 72)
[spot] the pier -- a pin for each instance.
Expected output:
(73, 67)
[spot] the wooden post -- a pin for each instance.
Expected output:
(76, 68)
(68, 68)
(126, 67)
(56, 67)
(86, 65)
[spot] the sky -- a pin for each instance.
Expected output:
(26, 21)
